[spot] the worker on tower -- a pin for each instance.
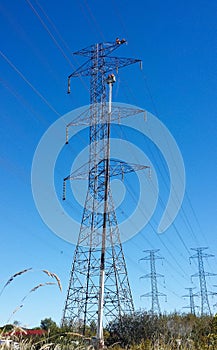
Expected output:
(111, 79)
(119, 42)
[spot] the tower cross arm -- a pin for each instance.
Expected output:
(205, 274)
(119, 167)
(212, 293)
(198, 294)
(115, 63)
(108, 64)
(150, 294)
(82, 71)
(116, 168)
(146, 295)
(193, 295)
(155, 257)
(204, 255)
(161, 294)
(118, 112)
(106, 48)
(150, 275)
(200, 252)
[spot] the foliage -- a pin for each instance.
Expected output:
(214, 325)
(133, 329)
(49, 325)
(141, 331)
(177, 331)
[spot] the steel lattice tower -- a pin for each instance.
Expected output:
(154, 294)
(99, 289)
(191, 296)
(205, 307)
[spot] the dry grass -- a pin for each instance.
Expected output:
(64, 341)
(26, 344)
(12, 278)
(53, 275)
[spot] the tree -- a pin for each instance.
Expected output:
(214, 324)
(49, 325)
(133, 329)
(148, 331)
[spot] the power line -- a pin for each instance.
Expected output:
(29, 83)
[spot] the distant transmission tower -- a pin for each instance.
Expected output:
(99, 289)
(215, 305)
(191, 296)
(205, 307)
(154, 294)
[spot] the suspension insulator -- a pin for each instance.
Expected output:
(145, 116)
(64, 190)
(122, 175)
(67, 135)
(69, 89)
(149, 173)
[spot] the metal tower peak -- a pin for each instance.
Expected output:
(99, 64)
(104, 47)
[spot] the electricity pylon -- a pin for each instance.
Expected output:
(191, 296)
(215, 294)
(154, 294)
(99, 288)
(205, 307)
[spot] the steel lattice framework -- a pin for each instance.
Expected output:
(205, 306)
(98, 279)
(191, 296)
(153, 275)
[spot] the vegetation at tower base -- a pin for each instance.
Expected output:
(142, 331)
(173, 331)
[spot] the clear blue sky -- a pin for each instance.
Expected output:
(177, 43)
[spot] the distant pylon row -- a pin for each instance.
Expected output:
(203, 292)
